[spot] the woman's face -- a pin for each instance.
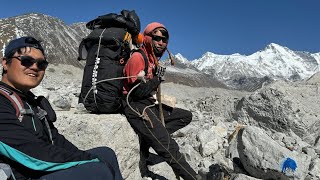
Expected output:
(22, 77)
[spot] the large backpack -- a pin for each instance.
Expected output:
(106, 50)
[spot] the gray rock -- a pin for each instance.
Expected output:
(209, 143)
(264, 158)
(89, 130)
(5, 171)
(61, 103)
(315, 169)
(242, 177)
(268, 109)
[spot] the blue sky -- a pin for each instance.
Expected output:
(195, 27)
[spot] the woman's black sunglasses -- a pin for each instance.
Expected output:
(159, 38)
(28, 61)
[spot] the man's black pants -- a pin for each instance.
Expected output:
(91, 170)
(154, 134)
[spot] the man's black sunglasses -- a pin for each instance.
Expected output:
(159, 38)
(28, 61)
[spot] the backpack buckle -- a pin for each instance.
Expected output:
(41, 113)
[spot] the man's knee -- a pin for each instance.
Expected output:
(102, 151)
(188, 118)
(186, 115)
(106, 150)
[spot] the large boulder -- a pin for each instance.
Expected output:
(87, 131)
(283, 107)
(263, 157)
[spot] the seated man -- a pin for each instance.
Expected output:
(144, 115)
(29, 142)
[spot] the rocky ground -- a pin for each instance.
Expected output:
(271, 133)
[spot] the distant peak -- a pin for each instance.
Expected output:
(179, 55)
(274, 44)
(34, 14)
(181, 58)
(208, 54)
(276, 47)
(236, 54)
(78, 24)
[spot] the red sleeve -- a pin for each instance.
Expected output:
(134, 65)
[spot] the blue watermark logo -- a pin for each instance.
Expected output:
(289, 164)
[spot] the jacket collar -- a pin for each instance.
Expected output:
(23, 95)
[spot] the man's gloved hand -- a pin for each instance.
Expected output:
(160, 73)
(141, 75)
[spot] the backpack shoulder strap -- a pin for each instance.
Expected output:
(15, 101)
(146, 64)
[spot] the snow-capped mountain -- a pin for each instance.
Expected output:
(60, 40)
(182, 59)
(184, 73)
(317, 57)
(273, 62)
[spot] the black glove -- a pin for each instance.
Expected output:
(160, 72)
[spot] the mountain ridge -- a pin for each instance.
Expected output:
(58, 38)
(274, 62)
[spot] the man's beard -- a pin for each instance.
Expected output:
(157, 52)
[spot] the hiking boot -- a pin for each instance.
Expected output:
(143, 166)
(198, 177)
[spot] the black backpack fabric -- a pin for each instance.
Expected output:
(106, 50)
